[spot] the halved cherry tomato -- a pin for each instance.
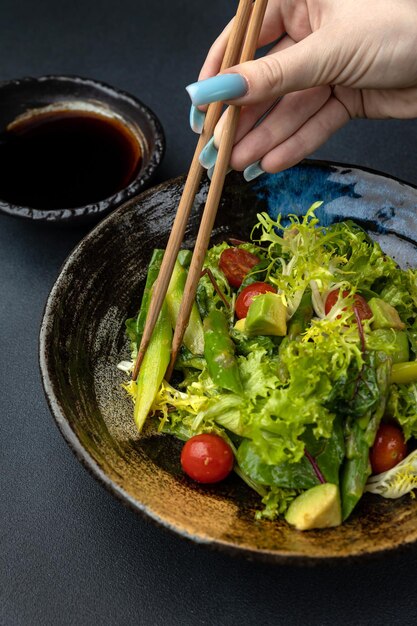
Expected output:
(207, 458)
(359, 303)
(235, 263)
(389, 448)
(246, 296)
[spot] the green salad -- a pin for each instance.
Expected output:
(298, 368)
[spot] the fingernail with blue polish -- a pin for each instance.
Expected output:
(221, 87)
(211, 170)
(253, 171)
(208, 155)
(197, 118)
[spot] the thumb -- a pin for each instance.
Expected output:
(311, 62)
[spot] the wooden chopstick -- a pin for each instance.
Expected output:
(215, 191)
(191, 186)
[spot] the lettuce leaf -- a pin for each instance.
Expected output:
(401, 292)
(328, 454)
(276, 502)
(288, 475)
(397, 481)
(365, 262)
(299, 253)
(402, 406)
(356, 393)
(271, 414)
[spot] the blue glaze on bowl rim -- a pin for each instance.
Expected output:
(383, 205)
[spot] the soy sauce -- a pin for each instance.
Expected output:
(66, 159)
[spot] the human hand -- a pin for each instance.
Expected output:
(336, 61)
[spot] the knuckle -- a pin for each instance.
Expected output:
(270, 73)
(300, 145)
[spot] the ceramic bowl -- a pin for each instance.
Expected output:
(101, 284)
(28, 96)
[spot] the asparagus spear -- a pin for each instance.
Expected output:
(139, 323)
(184, 257)
(157, 355)
(153, 368)
(220, 353)
(194, 336)
(357, 468)
(356, 471)
(404, 372)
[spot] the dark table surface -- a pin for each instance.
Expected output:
(69, 552)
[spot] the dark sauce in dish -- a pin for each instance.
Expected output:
(66, 159)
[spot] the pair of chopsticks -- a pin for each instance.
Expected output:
(243, 39)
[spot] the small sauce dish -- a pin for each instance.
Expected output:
(73, 149)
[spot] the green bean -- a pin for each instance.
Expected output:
(219, 352)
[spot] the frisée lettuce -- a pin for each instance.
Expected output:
(310, 402)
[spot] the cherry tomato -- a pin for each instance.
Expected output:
(246, 296)
(359, 303)
(235, 263)
(207, 458)
(389, 448)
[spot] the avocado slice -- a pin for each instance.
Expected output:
(318, 507)
(398, 339)
(267, 315)
(240, 325)
(384, 315)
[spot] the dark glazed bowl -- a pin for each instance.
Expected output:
(23, 96)
(82, 339)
